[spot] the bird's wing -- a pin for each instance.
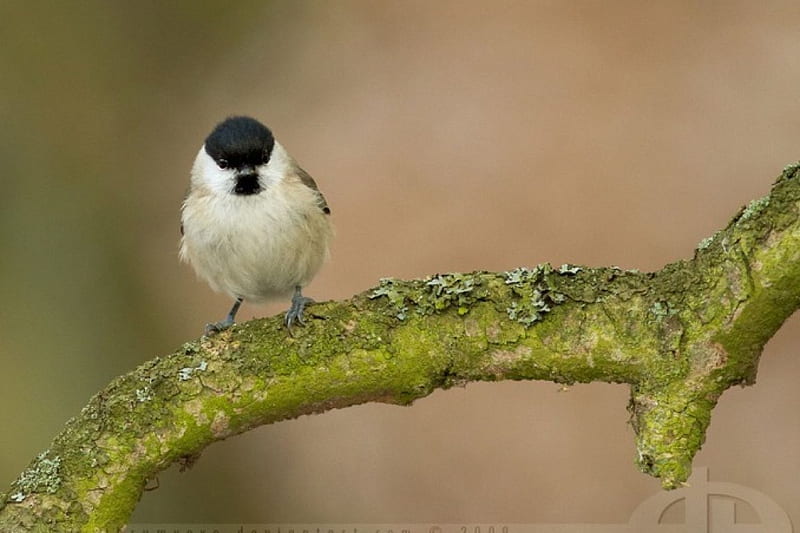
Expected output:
(308, 181)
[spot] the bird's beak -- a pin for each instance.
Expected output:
(247, 181)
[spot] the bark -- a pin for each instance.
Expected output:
(679, 337)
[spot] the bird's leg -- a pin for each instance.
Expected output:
(228, 322)
(295, 312)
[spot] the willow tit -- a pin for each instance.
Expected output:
(254, 225)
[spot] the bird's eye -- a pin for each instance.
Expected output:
(222, 163)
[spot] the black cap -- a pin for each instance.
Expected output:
(239, 142)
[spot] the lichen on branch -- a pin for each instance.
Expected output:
(679, 337)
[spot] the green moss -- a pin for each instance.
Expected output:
(670, 423)
(535, 293)
(433, 294)
(43, 475)
(568, 269)
(190, 348)
(753, 208)
(790, 171)
(185, 373)
(705, 243)
(395, 291)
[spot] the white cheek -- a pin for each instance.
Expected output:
(206, 174)
(276, 168)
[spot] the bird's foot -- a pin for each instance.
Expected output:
(295, 312)
(216, 327)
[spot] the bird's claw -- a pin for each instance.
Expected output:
(295, 312)
(216, 327)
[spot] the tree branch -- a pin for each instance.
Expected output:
(679, 337)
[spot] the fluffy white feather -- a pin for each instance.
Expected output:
(258, 246)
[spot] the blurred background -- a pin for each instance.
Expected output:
(447, 136)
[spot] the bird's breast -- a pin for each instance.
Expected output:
(256, 246)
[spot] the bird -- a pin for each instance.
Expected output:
(254, 224)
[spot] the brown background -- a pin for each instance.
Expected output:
(447, 136)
